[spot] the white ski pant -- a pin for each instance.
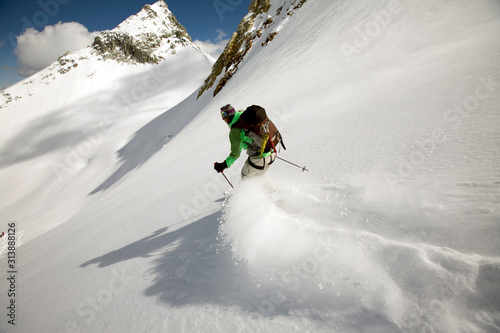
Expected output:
(256, 166)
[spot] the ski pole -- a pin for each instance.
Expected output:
(298, 166)
(227, 179)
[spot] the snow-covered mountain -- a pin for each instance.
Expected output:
(75, 114)
(393, 108)
(147, 37)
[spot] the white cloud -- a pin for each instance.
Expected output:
(36, 50)
(216, 47)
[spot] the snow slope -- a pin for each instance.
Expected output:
(394, 110)
(60, 133)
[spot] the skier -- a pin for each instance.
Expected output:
(251, 130)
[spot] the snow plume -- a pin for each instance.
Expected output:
(266, 224)
(36, 50)
(308, 256)
(290, 239)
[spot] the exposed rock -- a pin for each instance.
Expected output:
(123, 48)
(269, 38)
(136, 42)
(259, 6)
(241, 41)
(252, 27)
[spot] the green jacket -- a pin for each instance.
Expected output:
(240, 139)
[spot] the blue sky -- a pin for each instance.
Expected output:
(211, 21)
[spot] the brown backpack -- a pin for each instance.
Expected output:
(254, 119)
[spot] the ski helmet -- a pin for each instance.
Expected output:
(227, 111)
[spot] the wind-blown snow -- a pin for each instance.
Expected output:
(307, 259)
(392, 107)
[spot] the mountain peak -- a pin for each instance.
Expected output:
(156, 19)
(145, 37)
(148, 37)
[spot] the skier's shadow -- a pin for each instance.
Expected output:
(157, 241)
(193, 267)
(141, 248)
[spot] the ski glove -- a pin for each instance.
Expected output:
(219, 167)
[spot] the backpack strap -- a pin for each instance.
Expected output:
(265, 138)
(264, 132)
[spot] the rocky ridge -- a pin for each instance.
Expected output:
(143, 38)
(258, 28)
